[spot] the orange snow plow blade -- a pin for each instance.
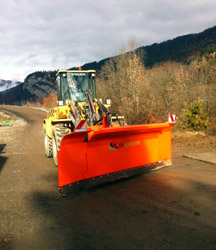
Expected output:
(99, 155)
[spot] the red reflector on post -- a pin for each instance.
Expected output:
(81, 126)
(172, 118)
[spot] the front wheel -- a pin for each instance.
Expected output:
(59, 131)
(48, 145)
(55, 153)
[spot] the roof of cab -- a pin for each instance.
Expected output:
(75, 71)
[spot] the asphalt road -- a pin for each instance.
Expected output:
(173, 208)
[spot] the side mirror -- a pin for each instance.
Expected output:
(60, 103)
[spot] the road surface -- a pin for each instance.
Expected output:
(173, 208)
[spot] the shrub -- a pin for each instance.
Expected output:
(194, 117)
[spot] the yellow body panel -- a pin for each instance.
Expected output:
(60, 113)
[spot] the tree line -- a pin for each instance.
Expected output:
(145, 95)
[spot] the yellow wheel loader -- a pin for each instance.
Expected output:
(85, 144)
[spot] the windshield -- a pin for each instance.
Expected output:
(75, 86)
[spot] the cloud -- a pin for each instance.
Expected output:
(53, 34)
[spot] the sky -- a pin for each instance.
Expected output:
(40, 35)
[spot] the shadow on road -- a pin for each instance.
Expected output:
(2, 158)
(140, 213)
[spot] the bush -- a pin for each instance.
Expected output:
(194, 117)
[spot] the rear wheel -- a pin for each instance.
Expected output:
(59, 131)
(48, 145)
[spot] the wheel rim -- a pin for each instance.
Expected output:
(54, 149)
(45, 142)
(55, 156)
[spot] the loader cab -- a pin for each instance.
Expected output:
(72, 85)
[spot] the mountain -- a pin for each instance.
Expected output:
(181, 49)
(16, 96)
(40, 84)
(36, 85)
(6, 84)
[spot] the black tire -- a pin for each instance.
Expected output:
(48, 145)
(59, 131)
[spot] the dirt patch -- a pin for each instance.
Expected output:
(193, 142)
(7, 133)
